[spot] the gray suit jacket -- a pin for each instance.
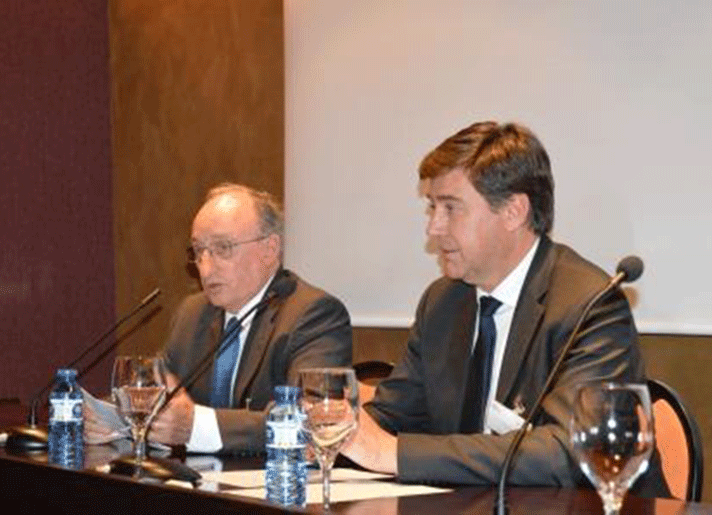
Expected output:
(309, 328)
(422, 399)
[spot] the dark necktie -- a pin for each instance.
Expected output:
(480, 369)
(225, 365)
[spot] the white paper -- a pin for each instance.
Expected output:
(346, 485)
(256, 478)
(502, 420)
(352, 491)
(108, 415)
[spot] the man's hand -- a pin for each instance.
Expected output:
(174, 422)
(372, 447)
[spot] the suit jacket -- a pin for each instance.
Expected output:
(308, 328)
(422, 399)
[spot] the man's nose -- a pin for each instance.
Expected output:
(204, 262)
(436, 225)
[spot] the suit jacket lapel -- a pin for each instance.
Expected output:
(256, 345)
(257, 342)
(460, 346)
(213, 335)
(525, 322)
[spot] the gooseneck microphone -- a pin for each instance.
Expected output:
(281, 290)
(31, 436)
(629, 269)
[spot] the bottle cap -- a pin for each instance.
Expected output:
(67, 373)
(283, 393)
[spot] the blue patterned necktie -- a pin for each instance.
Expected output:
(225, 365)
(480, 370)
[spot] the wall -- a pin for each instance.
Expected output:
(198, 99)
(56, 249)
(620, 94)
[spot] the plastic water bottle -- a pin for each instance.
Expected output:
(286, 467)
(66, 422)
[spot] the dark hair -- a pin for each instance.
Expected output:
(499, 160)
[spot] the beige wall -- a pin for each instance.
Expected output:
(197, 99)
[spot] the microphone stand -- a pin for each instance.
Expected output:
(215, 351)
(629, 269)
(170, 469)
(31, 437)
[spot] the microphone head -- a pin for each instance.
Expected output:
(631, 267)
(284, 288)
(151, 296)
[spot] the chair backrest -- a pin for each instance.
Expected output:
(678, 441)
(369, 373)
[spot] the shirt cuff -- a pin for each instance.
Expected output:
(205, 435)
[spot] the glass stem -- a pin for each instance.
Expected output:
(139, 448)
(611, 509)
(612, 498)
(326, 486)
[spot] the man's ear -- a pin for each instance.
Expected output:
(273, 248)
(516, 211)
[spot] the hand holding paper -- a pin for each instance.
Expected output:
(102, 422)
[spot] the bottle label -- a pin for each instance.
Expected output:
(284, 434)
(65, 410)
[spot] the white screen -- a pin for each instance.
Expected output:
(620, 94)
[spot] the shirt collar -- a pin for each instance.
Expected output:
(508, 290)
(250, 304)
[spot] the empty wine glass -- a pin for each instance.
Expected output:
(612, 436)
(138, 387)
(330, 403)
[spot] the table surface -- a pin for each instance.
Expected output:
(29, 480)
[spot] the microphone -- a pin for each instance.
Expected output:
(281, 290)
(31, 437)
(629, 269)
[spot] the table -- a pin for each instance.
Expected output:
(34, 485)
(37, 487)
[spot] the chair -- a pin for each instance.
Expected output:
(369, 373)
(678, 441)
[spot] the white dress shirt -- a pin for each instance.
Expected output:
(507, 292)
(205, 435)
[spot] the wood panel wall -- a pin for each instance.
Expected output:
(198, 99)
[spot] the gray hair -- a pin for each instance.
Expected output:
(268, 209)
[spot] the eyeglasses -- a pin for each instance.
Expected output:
(222, 249)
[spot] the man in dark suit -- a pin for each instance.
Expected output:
(486, 335)
(236, 244)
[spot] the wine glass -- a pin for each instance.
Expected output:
(330, 403)
(612, 436)
(138, 387)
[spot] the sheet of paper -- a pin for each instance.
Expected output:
(107, 414)
(503, 420)
(256, 478)
(352, 491)
(346, 485)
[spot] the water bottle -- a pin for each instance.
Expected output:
(66, 422)
(286, 467)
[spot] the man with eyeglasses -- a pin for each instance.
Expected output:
(236, 245)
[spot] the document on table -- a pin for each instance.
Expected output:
(346, 485)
